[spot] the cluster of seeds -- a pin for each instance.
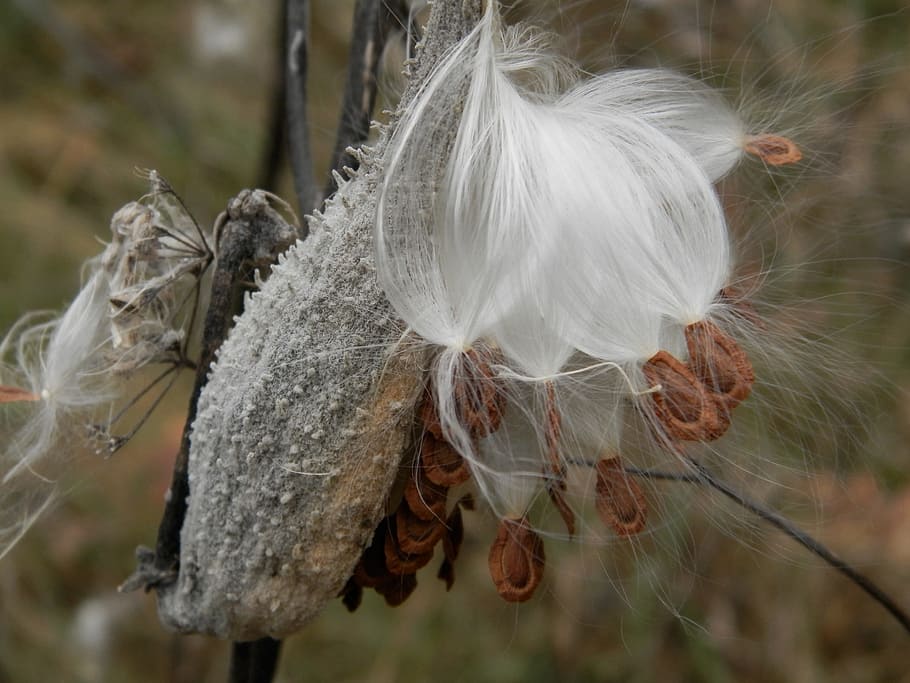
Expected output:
(542, 230)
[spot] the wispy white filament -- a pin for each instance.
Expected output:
(551, 218)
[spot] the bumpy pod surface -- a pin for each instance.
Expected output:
(302, 425)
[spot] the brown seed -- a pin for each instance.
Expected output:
(425, 499)
(16, 394)
(371, 570)
(683, 405)
(417, 536)
(620, 501)
(442, 464)
(552, 433)
(516, 560)
(399, 562)
(478, 399)
(774, 150)
(429, 418)
(397, 589)
(568, 517)
(719, 363)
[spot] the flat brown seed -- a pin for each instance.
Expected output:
(426, 499)
(417, 536)
(397, 589)
(620, 501)
(552, 434)
(442, 464)
(399, 562)
(516, 560)
(683, 405)
(478, 399)
(719, 363)
(371, 569)
(16, 394)
(429, 418)
(559, 502)
(774, 150)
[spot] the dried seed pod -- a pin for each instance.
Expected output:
(442, 465)
(774, 150)
(682, 405)
(720, 363)
(516, 560)
(620, 501)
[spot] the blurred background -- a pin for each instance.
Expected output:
(90, 91)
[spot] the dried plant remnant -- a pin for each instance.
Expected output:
(620, 500)
(516, 560)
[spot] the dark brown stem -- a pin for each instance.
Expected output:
(374, 22)
(297, 16)
(703, 475)
(254, 662)
(250, 236)
(274, 149)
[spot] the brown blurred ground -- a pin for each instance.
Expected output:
(89, 91)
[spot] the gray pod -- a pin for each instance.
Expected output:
(303, 423)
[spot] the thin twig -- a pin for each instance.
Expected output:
(297, 16)
(374, 22)
(704, 476)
